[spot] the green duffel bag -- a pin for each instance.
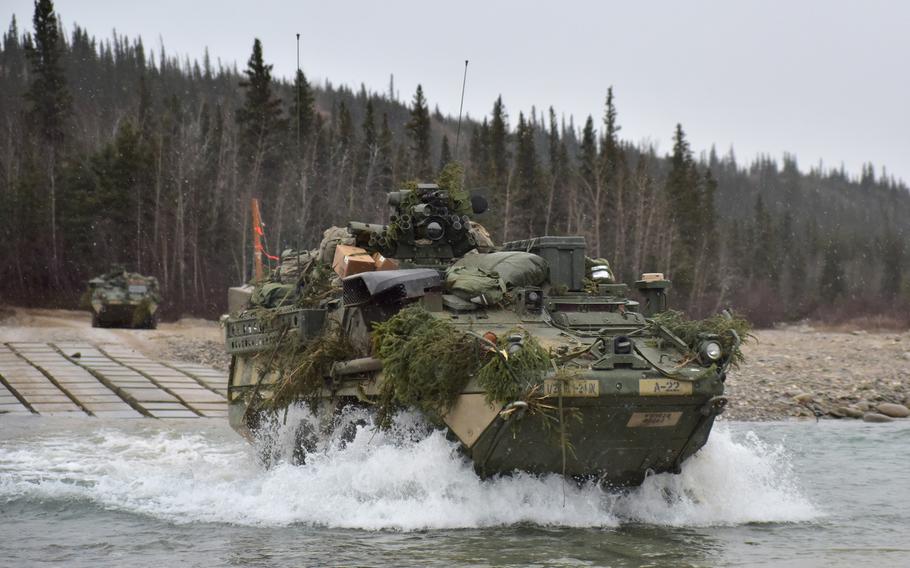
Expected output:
(515, 268)
(273, 294)
(484, 278)
(475, 284)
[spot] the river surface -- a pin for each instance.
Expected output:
(84, 492)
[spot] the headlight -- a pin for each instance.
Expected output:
(711, 351)
(515, 343)
(601, 272)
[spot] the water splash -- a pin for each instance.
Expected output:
(730, 481)
(410, 478)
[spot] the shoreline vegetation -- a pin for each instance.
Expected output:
(116, 153)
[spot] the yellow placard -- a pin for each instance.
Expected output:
(653, 419)
(664, 387)
(571, 387)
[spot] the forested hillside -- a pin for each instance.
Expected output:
(111, 152)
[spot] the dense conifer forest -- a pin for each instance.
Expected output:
(111, 152)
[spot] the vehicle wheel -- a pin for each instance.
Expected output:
(152, 322)
(306, 439)
(349, 416)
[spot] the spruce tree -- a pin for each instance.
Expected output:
(479, 173)
(498, 146)
(48, 95)
(402, 164)
(680, 187)
(764, 255)
(499, 176)
(587, 155)
(12, 64)
(892, 255)
(259, 117)
(708, 217)
(418, 128)
(344, 166)
(527, 174)
(369, 150)
(144, 112)
(346, 135)
(685, 201)
(49, 106)
(304, 109)
(385, 167)
(833, 282)
(445, 154)
(610, 153)
(556, 175)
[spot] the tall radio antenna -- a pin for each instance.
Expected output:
(297, 88)
(464, 82)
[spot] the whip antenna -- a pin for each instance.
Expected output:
(464, 81)
(296, 79)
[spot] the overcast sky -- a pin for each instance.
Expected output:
(826, 80)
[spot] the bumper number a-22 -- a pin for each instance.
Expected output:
(664, 387)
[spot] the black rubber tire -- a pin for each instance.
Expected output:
(306, 440)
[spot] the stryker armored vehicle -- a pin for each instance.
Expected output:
(528, 355)
(124, 299)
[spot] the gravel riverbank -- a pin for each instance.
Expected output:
(801, 372)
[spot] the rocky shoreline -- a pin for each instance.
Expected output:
(799, 372)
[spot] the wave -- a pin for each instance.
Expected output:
(410, 478)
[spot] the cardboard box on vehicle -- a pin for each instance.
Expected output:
(350, 260)
(383, 263)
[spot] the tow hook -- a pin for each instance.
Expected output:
(714, 406)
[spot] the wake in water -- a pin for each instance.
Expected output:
(409, 478)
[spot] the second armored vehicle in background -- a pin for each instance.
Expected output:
(124, 299)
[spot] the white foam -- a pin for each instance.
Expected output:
(406, 479)
(728, 482)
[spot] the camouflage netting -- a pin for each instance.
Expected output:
(313, 282)
(302, 368)
(721, 325)
(451, 179)
(427, 362)
(507, 377)
(319, 282)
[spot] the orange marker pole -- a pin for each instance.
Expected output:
(257, 240)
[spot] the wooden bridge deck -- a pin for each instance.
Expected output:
(105, 380)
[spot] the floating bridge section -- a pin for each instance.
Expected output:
(105, 380)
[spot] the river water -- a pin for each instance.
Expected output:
(84, 492)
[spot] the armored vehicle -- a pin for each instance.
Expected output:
(528, 354)
(124, 299)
